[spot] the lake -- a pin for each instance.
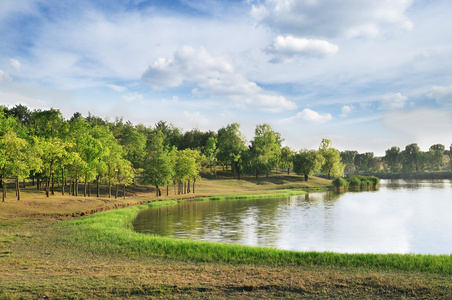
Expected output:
(403, 216)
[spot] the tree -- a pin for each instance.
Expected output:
(362, 161)
(287, 156)
(173, 135)
(158, 168)
(375, 164)
(14, 159)
(231, 144)
(51, 151)
(332, 166)
(125, 174)
(265, 149)
(307, 163)
(437, 155)
(410, 157)
(393, 159)
(348, 158)
(211, 152)
(134, 144)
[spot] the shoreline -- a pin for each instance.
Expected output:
(45, 252)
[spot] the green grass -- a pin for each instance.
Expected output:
(111, 233)
(280, 193)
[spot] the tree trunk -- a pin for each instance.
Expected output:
(98, 188)
(47, 186)
(124, 191)
(167, 190)
(3, 188)
(53, 184)
(288, 171)
(188, 186)
(18, 189)
(306, 177)
(63, 183)
(76, 187)
(89, 189)
(85, 186)
(109, 188)
(194, 180)
(116, 193)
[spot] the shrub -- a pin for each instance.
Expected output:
(375, 181)
(340, 183)
(354, 182)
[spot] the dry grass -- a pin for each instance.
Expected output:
(36, 263)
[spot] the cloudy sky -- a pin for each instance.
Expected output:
(367, 74)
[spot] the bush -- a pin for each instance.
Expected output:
(340, 183)
(354, 182)
(365, 183)
(375, 181)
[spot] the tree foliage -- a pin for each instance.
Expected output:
(308, 162)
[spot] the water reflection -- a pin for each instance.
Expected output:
(401, 217)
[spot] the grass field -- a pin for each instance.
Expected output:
(47, 250)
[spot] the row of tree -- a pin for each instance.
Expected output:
(43, 146)
(411, 159)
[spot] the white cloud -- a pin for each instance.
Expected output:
(116, 88)
(349, 18)
(289, 48)
(213, 76)
(310, 115)
(346, 109)
(133, 97)
(188, 65)
(15, 64)
(3, 75)
(393, 101)
(442, 94)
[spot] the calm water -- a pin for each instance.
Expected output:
(401, 217)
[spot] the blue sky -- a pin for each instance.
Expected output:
(366, 74)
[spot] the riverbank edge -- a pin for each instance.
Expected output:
(111, 233)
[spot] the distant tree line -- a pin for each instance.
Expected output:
(395, 160)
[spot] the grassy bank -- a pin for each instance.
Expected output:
(111, 232)
(48, 251)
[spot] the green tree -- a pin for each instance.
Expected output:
(211, 152)
(362, 161)
(332, 166)
(51, 151)
(393, 159)
(348, 158)
(158, 168)
(307, 163)
(287, 156)
(437, 156)
(231, 145)
(265, 149)
(15, 159)
(410, 157)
